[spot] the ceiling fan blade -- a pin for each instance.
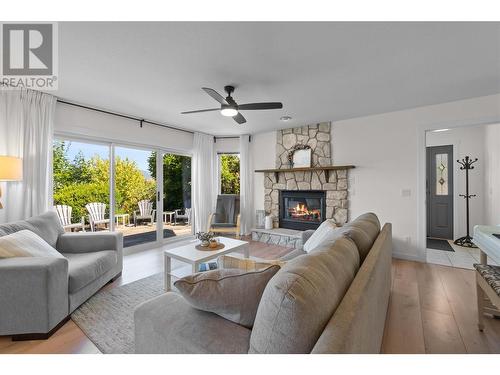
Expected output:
(214, 94)
(201, 110)
(239, 119)
(253, 106)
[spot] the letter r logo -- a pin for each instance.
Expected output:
(27, 49)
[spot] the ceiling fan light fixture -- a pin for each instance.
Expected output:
(228, 112)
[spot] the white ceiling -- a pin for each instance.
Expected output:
(320, 71)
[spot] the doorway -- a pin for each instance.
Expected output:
(474, 141)
(440, 192)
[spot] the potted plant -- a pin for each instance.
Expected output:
(205, 238)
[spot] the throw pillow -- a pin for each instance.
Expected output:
(231, 293)
(325, 233)
(25, 243)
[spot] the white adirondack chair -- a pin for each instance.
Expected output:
(186, 216)
(64, 214)
(97, 213)
(146, 211)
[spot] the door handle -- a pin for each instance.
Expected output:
(158, 194)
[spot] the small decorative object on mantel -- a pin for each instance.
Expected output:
(300, 156)
(205, 238)
(466, 164)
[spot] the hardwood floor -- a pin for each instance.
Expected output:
(432, 310)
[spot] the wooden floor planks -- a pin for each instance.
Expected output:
(444, 299)
(432, 310)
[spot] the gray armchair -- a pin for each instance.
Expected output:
(226, 218)
(39, 293)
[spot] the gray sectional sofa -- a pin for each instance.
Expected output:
(37, 294)
(333, 299)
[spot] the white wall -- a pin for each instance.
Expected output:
(86, 123)
(467, 140)
(263, 151)
(388, 151)
(492, 174)
(227, 145)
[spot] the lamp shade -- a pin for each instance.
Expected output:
(11, 168)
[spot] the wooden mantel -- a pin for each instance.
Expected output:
(327, 170)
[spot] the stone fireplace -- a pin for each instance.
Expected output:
(301, 198)
(318, 137)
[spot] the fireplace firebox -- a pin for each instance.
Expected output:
(301, 209)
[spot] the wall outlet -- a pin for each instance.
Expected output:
(406, 193)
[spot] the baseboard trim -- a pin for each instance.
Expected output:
(411, 257)
(40, 336)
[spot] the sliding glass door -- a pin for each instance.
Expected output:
(148, 199)
(135, 193)
(176, 210)
(81, 185)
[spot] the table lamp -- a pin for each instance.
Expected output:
(11, 169)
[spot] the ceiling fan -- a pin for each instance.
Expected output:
(229, 108)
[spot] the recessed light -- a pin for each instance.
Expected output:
(439, 130)
(285, 118)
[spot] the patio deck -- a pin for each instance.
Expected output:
(147, 233)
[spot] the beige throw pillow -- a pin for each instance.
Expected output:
(233, 294)
(25, 243)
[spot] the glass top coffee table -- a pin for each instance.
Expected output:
(189, 254)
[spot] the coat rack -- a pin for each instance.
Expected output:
(466, 164)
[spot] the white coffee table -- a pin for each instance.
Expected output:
(189, 254)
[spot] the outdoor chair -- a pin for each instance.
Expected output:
(97, 214)
(184, 215)
(64, 214)
(146, 212)
(226, 218)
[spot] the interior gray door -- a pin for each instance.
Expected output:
(440, 192)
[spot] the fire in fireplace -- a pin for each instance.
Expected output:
(301, 209)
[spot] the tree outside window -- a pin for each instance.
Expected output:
(229, 173)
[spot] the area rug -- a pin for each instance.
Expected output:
(107, 318)
(435, 244)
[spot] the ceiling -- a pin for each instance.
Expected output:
(320, 71)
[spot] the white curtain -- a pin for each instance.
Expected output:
(204, 180)
(246, 183)
(26, 130)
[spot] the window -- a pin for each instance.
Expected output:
(135, 193)
(441, 174)
(176, 211)
(82, 190)
(229, 172)
(81, 177)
